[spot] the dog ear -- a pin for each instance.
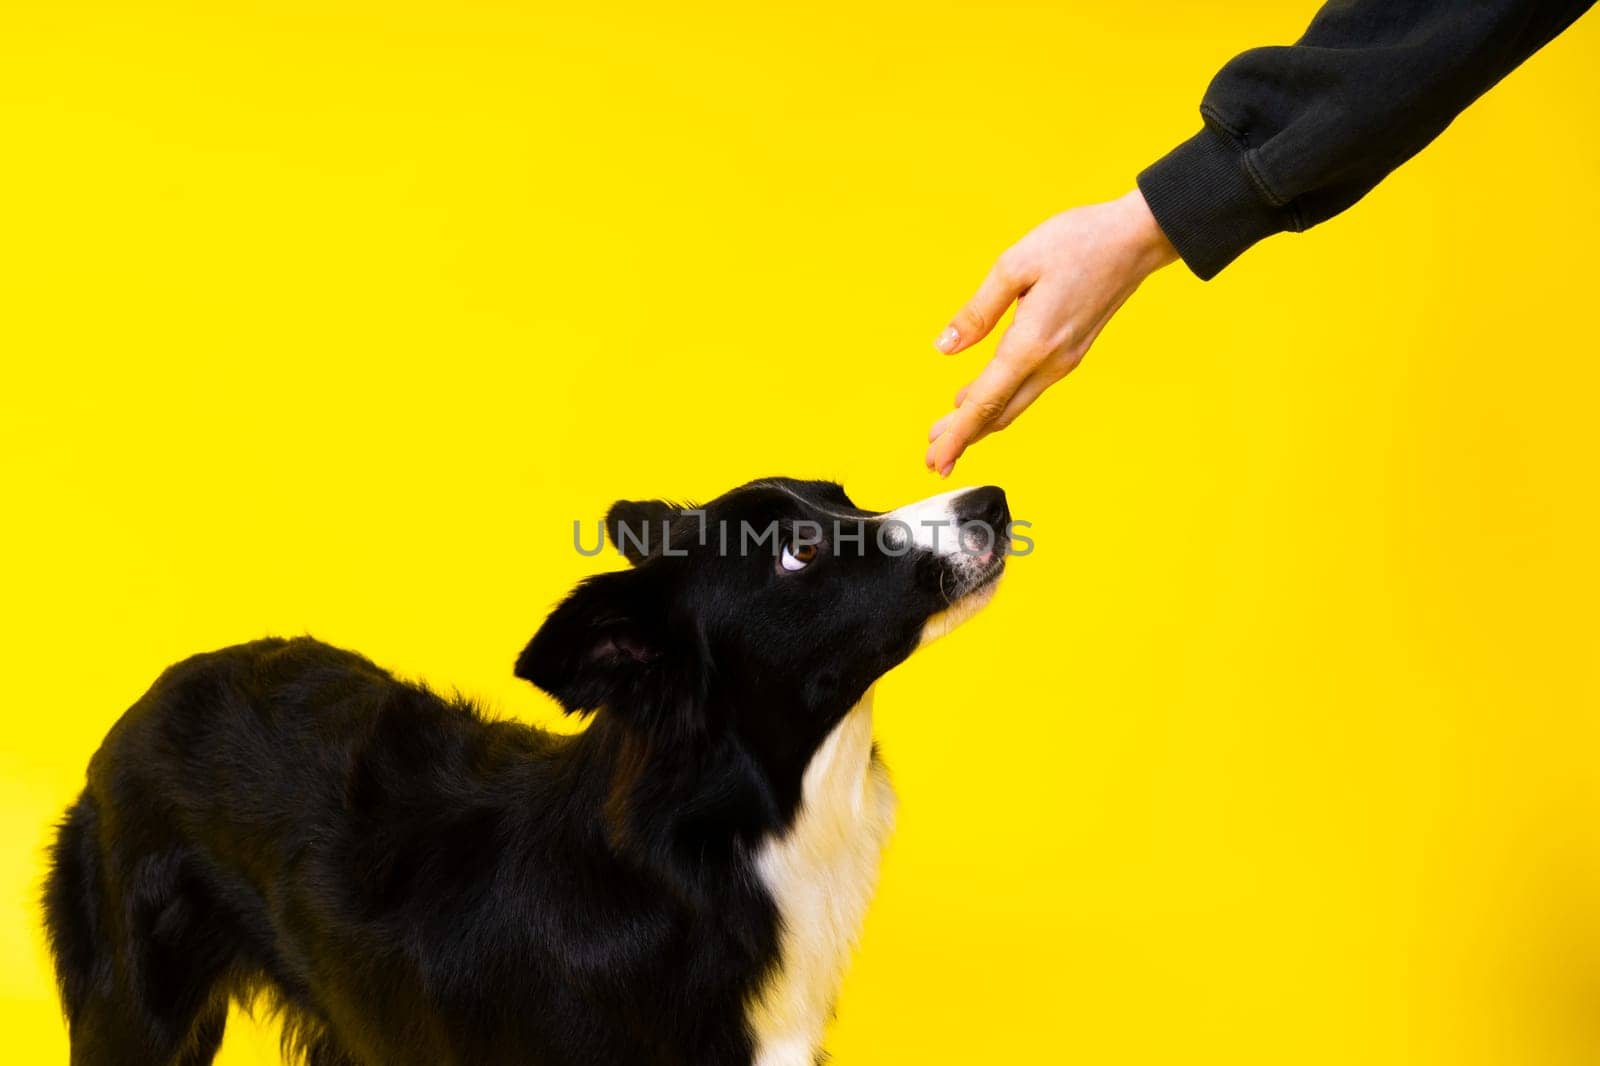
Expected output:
(638, 528)
(607, 644)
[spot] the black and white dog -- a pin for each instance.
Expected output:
(411, 882)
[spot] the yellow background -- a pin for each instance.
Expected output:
(1281, 748)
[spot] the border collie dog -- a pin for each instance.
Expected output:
(412, 883)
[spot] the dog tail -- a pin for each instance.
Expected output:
(71, 903)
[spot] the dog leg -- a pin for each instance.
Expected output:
(139, 952)
(206, 1037)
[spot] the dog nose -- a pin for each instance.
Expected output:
(987, 506)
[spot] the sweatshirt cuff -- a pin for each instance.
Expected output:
(1205, 201)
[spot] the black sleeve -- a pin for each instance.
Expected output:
(1294, 135)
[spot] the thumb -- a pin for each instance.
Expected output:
(972, 323)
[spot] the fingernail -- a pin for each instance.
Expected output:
(945, 472)
(948, 340)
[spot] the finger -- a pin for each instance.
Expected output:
(1003, 284)
(984, 402)
(1047, 373)
(1029, 391)
(943, 422)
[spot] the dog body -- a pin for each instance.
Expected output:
(411, 882)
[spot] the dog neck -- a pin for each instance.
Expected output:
(821, 872)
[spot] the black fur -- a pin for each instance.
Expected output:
(412, 882)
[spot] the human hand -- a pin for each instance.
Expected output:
(1068, 277)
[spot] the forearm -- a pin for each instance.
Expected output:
(1294, 135)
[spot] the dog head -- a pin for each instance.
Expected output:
(770, 610)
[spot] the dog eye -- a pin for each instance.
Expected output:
(797, 556)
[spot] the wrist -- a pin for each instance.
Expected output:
(1146, 240)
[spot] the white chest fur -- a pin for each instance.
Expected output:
(821, 874)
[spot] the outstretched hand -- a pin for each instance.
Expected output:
(1067, 277)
